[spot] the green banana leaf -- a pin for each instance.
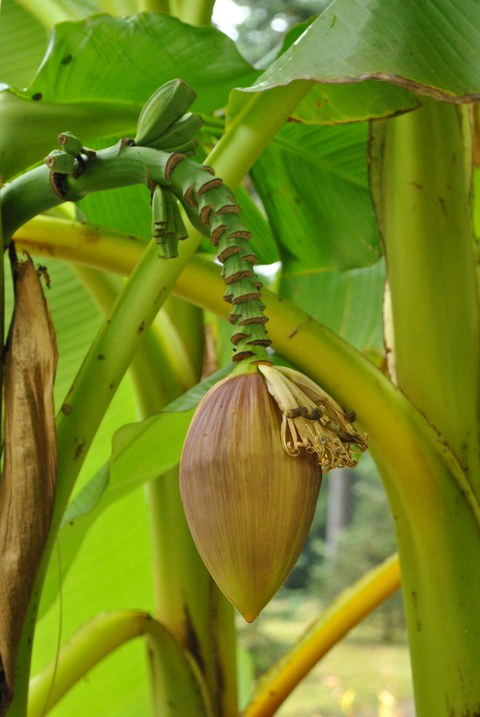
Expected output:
(348, 302)
(313, 184)
(111, 571)
(137, 54)
(337, 103)
(430, 47)
(23, 41)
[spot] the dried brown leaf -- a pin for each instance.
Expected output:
(27, 489)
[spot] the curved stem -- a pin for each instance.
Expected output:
(344, 613)
(422, 173)
(195, 12)
(253, 127)
(41, 189)
(80, 243)
(97, 639)
(347, 374)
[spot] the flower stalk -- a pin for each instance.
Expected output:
(252, 461)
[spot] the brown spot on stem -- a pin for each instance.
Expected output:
(242, 355)
(252, 296)
(189, 196)
(205, 214)
(252, 258)
(242, 274)
(228, 209)
(240, 234)
(172, 162)
(236, 338)
(211, 184)
(217, 233)
(79, 450)
(254, 320)
(191, 639)
(259, 342)
(227, 252)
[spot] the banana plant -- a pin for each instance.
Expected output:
(125, 156)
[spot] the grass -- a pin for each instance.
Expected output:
(362, 676)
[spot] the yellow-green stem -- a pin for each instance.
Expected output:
(95, 641)
(195, 12)
(153, 6)
(98, 638)
(345, 612)
(248, 132)
(421, 174)
(422, 179)
(186, 598)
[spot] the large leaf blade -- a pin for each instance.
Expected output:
(348, 302)
(23, 41)
(430, 47)
(112, 570)
(336, 103)
(314, 187)
(137, 54)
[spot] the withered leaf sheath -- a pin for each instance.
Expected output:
(248, 503)
(27, 488)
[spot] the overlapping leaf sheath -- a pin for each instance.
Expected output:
(27, 488)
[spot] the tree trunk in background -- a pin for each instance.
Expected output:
(340, 508)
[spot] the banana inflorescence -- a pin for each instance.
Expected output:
(164, 124)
